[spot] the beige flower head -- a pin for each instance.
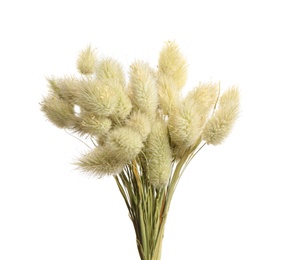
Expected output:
(110, 69)
(184, 126)
(169, 95)
(100, 162)
(94, 125)
(159, 154)
(97, 97)
(143, 88)
(86, 61)
(58, 111)
(125, 143)
(173, 64)
(220, 125)
(140, 122)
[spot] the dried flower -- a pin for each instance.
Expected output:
(86, 61)
(65, 88)
(220, 125)
(144, 90)
(159, 155)
(144, 132)
(125, 143)
(123, 106)
(110, 69)
(184, 126)
(97, 97)
(140, 122)
(94, 125)
(100, 161)
(169, 95)
(173, 64)
(204, 97)
(58, 111)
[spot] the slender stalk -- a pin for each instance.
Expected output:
(148, 207)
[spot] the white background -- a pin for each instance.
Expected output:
(230, 201)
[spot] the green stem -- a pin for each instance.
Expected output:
(148, 207)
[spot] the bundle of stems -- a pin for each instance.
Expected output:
(148, 207)
(144, 130)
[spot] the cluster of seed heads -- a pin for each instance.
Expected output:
(143, 117)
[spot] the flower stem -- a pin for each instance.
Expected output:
(148, 206)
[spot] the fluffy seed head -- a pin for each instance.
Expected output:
(65, 88)
(94, 125)
(58, 111)
(173, 64)
(110, 69)
(123, 106)
(230, 99)
(204, 97)
(140, 122)
(169, 96)
(220, 124)
(97, 97)
(86, 61)
(125, 143)
(101, 161)
(159, 155)
(144, 90)
(184, 127)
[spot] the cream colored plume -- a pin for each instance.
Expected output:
(204, 97)
(86, 61)
(125, 143)
(123, 106)
(93, 125)
(65, 88)
(140, 122)
(97, 97)
(158, 154)
(101, 161)
(173, 64)
(220, 125)
(184, 126)
(169, 95)
(110, 69)
(59, 112)
(143, 88)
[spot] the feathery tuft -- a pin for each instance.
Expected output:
(125, 143)
(173, 64)
(123, 106)
(93, 125)
(58, 111)
(159, 155)
(110, 69)
(86, 61)
(220, 125)
(140, 122)
(65, 88)
(184, 126)
(169, 96)
(144, 90)
(97, 97)
(204, 97)
(101, 161)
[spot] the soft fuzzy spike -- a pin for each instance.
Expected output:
(220, 125)
(173, 64)
(86, 61)
(159, 155)
(144, 90)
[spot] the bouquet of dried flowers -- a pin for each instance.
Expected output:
(144, 131)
